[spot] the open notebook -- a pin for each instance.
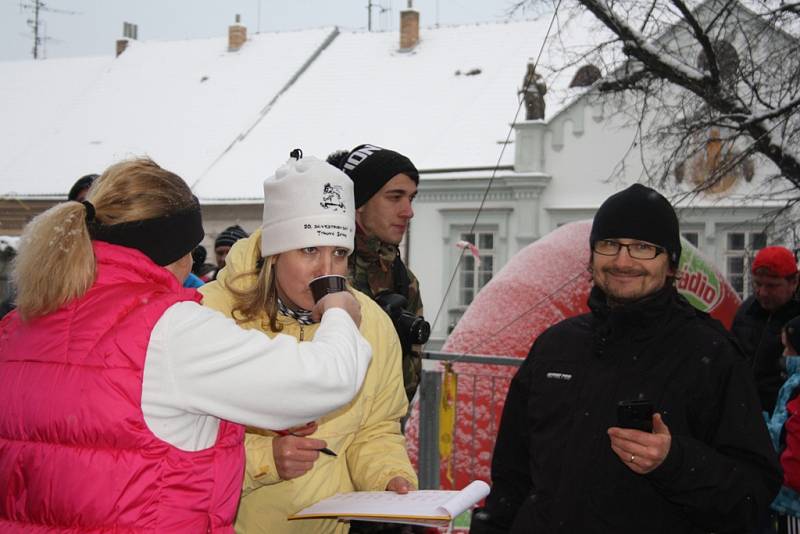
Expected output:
(423, 507)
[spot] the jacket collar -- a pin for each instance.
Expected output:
(117, 264)
(372, 249)
(643, 316)
(242, 258)
(754, 308)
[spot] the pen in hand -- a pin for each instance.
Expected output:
(326, 450)
(323, 450)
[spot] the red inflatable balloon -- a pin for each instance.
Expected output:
(544, 283)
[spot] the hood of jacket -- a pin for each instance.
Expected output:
(240, 272)
(365, 434)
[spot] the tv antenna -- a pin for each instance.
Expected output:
(37, 23)
(370, 6)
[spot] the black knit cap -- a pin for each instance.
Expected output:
(229, 236)
(199, 255)
(370, 167)
(792, 329)
(642, 213)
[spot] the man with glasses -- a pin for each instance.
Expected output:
(640, 416)
(761, 317)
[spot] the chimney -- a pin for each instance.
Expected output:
(237, 35)
(122, 44)
(409, 28)
(129, 31)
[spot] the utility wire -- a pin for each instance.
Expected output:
(494, 171)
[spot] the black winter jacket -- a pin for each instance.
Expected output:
(759, 333)
(553, 469)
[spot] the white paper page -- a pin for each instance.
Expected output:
(418, 503)
(462, 500)
(422, 504)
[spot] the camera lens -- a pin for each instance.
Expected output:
(411, 329)
(420, 331)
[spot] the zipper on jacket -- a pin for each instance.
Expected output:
(302, 333)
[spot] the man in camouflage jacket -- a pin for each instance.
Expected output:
(385, 186)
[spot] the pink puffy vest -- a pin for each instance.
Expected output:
(75, 452)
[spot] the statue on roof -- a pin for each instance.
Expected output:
(533, 91)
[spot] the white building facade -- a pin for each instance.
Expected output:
(224, 117)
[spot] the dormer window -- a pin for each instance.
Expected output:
(727, 59)
(586, 76)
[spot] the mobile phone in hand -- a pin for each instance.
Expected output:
(637, 414)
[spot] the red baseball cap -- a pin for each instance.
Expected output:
(779, 261)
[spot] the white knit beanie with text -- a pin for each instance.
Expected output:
(307, 203)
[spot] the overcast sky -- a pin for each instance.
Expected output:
(90, 27)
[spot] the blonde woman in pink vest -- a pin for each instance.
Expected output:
(123, 398)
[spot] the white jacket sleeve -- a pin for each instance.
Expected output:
(214, 367)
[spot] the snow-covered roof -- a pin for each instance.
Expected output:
(422, 103)
(180, 102)
(225, 120)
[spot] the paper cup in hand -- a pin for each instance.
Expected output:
(326, 284)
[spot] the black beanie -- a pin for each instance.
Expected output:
(229, 236)
(792, 329)
(370, 167)
(199, 255)
(638, 212)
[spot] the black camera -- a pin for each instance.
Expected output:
(411, 329)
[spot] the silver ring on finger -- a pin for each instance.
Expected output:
(633, 458)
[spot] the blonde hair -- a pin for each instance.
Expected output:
(56, 261)
(252, 301)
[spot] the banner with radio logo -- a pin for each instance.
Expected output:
(704, 287)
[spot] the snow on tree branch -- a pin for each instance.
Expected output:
(724, 64)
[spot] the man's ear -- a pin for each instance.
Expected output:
(672, 271)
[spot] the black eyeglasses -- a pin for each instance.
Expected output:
(638, 251)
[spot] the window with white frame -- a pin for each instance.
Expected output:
(462, 276)
(740, 247)
(476, 273)
(692, 237)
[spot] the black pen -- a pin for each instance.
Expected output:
(323, 450)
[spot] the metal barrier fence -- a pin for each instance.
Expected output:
(429, 400)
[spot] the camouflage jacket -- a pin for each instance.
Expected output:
(370, 269)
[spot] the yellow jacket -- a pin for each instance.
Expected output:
(365, 434)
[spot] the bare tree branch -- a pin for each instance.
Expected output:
(702, 37)
(767, 125)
